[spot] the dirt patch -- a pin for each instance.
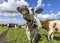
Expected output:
(2, 37)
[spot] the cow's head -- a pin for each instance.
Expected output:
(27, 12)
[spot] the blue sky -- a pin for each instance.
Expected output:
(9, 14)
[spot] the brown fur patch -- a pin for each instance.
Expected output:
(46, 25)
(54, 26)
(56, 29)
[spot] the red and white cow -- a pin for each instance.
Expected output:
(32, 24)
(51, 27)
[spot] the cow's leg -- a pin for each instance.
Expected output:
(28, 35)
(35, 35)
(33, 40)
(50, 35)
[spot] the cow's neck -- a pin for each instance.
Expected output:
(31, 23)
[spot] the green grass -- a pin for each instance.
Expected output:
(2, 29)
(19, 36)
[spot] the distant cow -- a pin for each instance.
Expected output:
(51, 27)
(12, 25)
(1, 25)
(32, 24)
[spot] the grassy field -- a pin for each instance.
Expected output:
(19, 36)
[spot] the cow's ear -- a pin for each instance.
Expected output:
(19, 9)
(38, 11)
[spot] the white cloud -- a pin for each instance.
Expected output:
(48, 4)
(58, 13)
(47, 16)
(0, 13)
(13, 20)
(11, 0)
(43, 5)
(9, 9)
(51, 11)
(4, 21)
(6, 14)
(11, 5)
(39, 3)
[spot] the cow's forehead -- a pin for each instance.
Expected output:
(30, 8)
(27, 7)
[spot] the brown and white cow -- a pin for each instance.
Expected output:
(51, 27)
(32, 24)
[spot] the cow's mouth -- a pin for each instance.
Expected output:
(24, 12)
